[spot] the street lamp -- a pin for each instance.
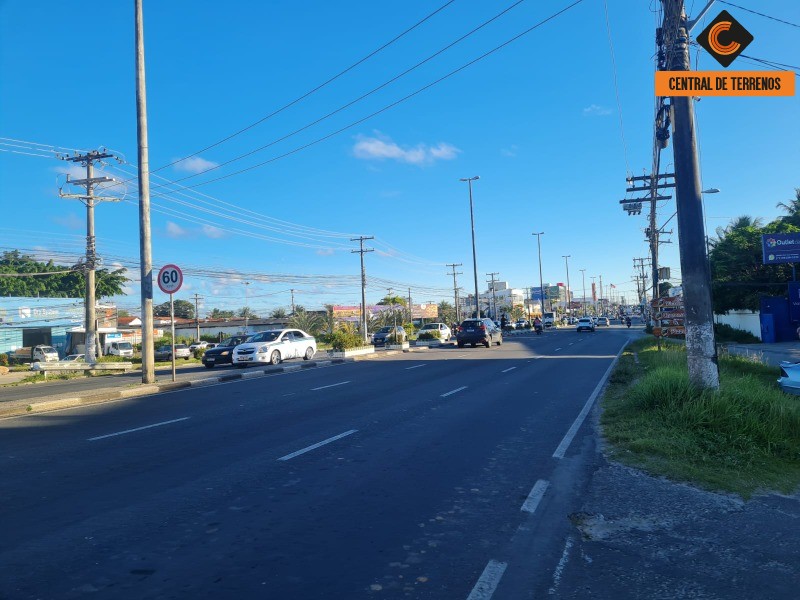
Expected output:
(566, 261)
(469, 181)
(541, 284)
(583, 277)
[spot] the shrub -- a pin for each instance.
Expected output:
(198, 352)
(344, 340)
(109, 358)
(394, 339)
(3, 360)
(726, 333)
(430, 334)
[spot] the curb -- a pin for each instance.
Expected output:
(150, 389)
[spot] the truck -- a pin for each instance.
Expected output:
(118, 348)
(548, 319)
(34, 354)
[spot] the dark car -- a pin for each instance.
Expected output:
(478, 331)
(222, 353)
(379, 337)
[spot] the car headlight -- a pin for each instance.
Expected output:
(263, 349)
(224, 353)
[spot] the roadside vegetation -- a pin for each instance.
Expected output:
(726, 334)
(743, 439)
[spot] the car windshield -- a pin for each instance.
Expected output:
(180, 346)
(48, 349)
(429, 326)
(385, 330)
(265, 336)
(125, 346)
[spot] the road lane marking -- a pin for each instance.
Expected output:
(451, 392)
(570, 343)
(317, 445)
(533, 499)
(562, 447)
(557, 349)
(487, 582)
(329, 386)
(108, 435)
(508, 369)
(560, 566)
(416, 366)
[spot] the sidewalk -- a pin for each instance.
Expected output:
(771, 354)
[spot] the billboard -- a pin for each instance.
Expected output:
(425, 311)
(779, 248)
(41, 312)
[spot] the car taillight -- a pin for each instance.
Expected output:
(482, 327)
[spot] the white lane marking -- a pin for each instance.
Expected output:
(289, 394)
(329, 386)
(533, 499)
(451, 392)
(560, 566)
(570, 343)
(562, 447)
(487, 582)
(508, 369)
(317, 445)
(415, 367)
(108, 435)
(557, 349)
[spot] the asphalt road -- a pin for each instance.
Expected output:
(448, 474)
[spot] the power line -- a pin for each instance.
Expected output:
(616, 88)
(755, 12)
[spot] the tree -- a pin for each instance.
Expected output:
(792, 210)
(123, 313)
(392, 300)
(183, 309)
(222, 314)
(246, 313)
(278, 313)
(517, 313)
(61, 284)
(309, 322)
(663, 288)
(447, 313)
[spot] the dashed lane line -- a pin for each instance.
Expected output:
(508, 369)
(533, 499)
(451, 392)
(416, 366)
(487, 582)
(322, 387)
(108, 435)
(317, 445)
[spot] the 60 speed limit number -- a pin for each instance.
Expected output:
(170, 279)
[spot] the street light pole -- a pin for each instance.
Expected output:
(583, 277)
(566, 261)
(541, 284)
(469, 181)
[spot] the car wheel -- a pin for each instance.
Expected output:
(500, 342)
(460, 344)
(186, 357)
(309, 353)
(472, 344)
(275, 357)
(209, 366)
(487, 343)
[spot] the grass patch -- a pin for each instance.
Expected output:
(742, 439)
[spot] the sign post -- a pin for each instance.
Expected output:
(170, 280)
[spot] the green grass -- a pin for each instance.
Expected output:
(725, 333)
(742, 439)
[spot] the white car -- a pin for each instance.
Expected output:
(274, 346)
(444, 331)
(196, 345)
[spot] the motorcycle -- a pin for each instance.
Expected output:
(628, 323)
(538, 329)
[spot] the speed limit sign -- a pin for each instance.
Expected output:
(170, 279)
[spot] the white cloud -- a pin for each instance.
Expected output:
(213, 232)
(511, 151)
(595, 110)
(195, 164)
(382, 148)
(325, 251)
(176, 231)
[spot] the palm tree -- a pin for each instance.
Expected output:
(792, 207)
(278, 313)
(309, 322)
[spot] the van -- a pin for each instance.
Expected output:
(119, 349)
(548, 319)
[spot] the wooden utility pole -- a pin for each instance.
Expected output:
(701, 348)
(361, 250)
(145, 245)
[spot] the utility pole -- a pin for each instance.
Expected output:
(410, 312)
(541, 281)
(566, 261)
(601, 294)
(583, 277)
(292, 291)
(145, 245)
(90, 200)
(469, 181)
(197, 298)
(594, 294)
(494, 298)
(246, 308)
(455, 287)
(701, 349)
(360, 239)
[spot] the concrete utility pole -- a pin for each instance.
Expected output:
(361, 251)
(145, 245)
(90, 200)
(566, 262)
(469, 181)
(701, 349)
(583, 277)
(197, 298)
(246, 308)
(494, 298)
(292, 291)
(410, 315)
(541, 281)
(601, 293)
(455, 287)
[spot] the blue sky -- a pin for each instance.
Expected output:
(538, 121)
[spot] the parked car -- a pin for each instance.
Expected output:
(444, 331)
(510, 325)
(522, 324)
(603, 321)
(585, 324)
(165, 352)
(380, 336)
(274, 346)
(478, 331)
(195, 345)
(222, 353)
(75, 358)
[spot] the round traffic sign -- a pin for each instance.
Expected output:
(170, 279)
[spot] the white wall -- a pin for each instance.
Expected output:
(742, 319)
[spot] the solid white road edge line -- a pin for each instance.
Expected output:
(329, 386)
(533, 499)
(560, 567)
(317, 445)
(101, 437)
(414, 367)
(508, 369)
(451, 392)
(562, 447)
(487, 582)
